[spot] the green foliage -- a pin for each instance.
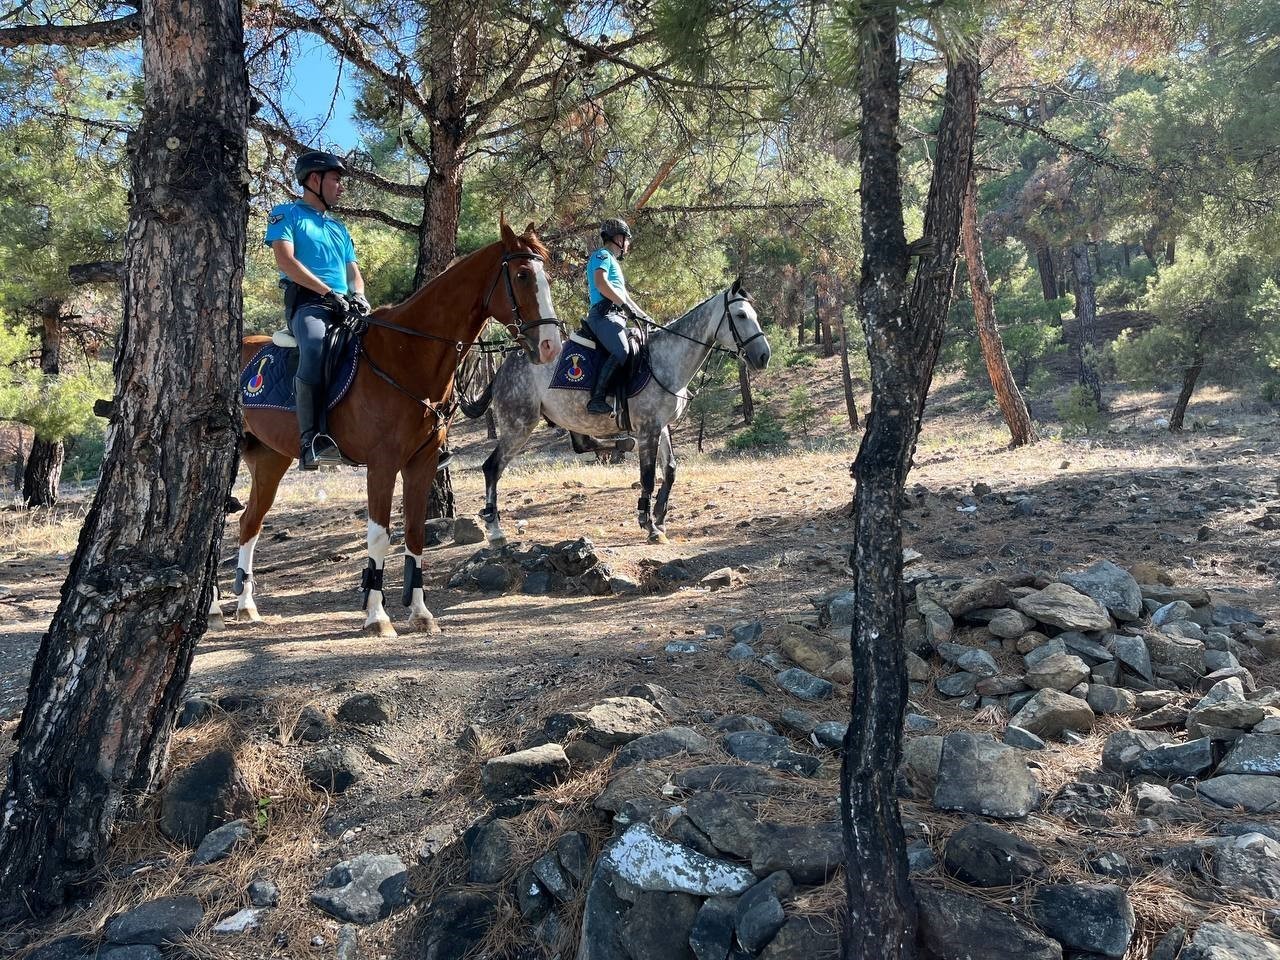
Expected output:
(1079, 413)
(56, 407)
(764, 432)
(801, 411)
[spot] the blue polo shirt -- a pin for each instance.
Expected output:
(320, 242)
(603, 259)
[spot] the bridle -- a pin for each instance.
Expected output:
(733, 330)
(517, 327)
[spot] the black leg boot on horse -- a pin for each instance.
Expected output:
(315, 447)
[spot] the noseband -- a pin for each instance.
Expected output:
(737, 337)
(517, 327)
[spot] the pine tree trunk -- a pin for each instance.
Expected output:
(824, 303)
(1086, 320)
(1012, 407)
(1124, 247)
(744, 384)
(441, 208)
(903, 339)
(1045, 266)
(846, 376)
(44, 466)
(1170, 248)
(441, 503)
(1189, 378)
(109, 674)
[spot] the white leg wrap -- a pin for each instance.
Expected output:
(379, 544)
(244, 562)
(493, 530)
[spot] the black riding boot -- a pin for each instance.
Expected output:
(315, 448)
(598, 403)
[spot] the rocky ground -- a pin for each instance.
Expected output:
(623, 750)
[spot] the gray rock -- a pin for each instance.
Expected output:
(609, 723)
(1177, 761)
(737, 722)
(165, 920)
(202, 796)
(242, 921)
(808, 853)
(1090, 651)
(364, 889)
(1250, 863)
(522, 772)
(759, 913)
(348, 943)
(956, 927)
(195, 710)
(1132, 653)
(978, 775)
(712, 933)
(1171, 613)
(1217, 941)
(1046, 648)
(1058, 672)
(682, 647)
(982, 856)
(1180, 659)
(830, 733)
(532, 900)
(804, 938)
(263, 893)
(660, 697)
(917, 667)
(1255, 794)
(218, 844)
(1105, 700)
(1023, 739)
(1123, 748)
(728, 821)
(978, 662)
(1111, 586)
(804, 685)
(1170, 715)
(1224, 615)
(454, 925)
(969, 595)
(740, 652)
(67, 948)
(134, 951)
(368, 709)
(1010, 624)
(799, 721)
(771, 751)
(921, 757)
(729, 778)
(553, 877)
(649, 862)
(574, 855)
(335, 768)
(1170, 945)
(918, 723)
(920, 857)
(1086, 916)
(664, 743)
(1062, 606)
(1253, 754)
(658, 926)
(1158, 802)
(957, 684)
(313, 725)
(1050, 712)
(467, 531)
(491, 846)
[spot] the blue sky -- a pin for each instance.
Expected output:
(315, 73)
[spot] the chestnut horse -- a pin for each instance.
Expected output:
(394, 417)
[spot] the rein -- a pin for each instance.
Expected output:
(710, 345)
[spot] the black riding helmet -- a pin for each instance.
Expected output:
(316, 161)
(614, 227)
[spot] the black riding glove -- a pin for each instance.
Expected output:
(359, 305)
(338, 304)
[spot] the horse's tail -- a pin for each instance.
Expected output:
(474, 409)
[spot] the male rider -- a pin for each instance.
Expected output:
(322, 285)
(610, 305)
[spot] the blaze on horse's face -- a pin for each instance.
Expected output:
(741, 330)
(533, 313)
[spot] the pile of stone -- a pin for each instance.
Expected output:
(572, 567)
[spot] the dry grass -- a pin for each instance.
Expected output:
(42, 531)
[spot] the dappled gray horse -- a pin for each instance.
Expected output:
(522, 395)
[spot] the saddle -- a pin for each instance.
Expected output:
(266, 382)
(580, 361)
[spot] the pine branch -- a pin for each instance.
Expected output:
(103, 33)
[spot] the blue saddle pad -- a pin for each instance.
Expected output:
(577, 366)
(266, 382)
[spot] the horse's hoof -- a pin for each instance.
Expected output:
(657, 536)
(497, 542)
(217, 624)
(380, 628)
(425, 625)
(248, 615)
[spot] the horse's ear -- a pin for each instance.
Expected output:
(528, 231)
(508, 235)
(737, 283)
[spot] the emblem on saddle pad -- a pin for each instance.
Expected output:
(258, 380)
(575, 373)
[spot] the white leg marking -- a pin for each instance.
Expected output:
(245, 603)
(493, 530)
(417, 604)
(379, 544)
(216, 622)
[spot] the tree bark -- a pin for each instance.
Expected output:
(744, 384)
(846, 376)
(903, 338)
(825, 303)
(1012, 407)
(1124, 248)
(1189, 378)
(44, 466)
(107, 680)
(442, 502)
(1086, 320)
(441, 208)
(1047, 270)
(1170, 248)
